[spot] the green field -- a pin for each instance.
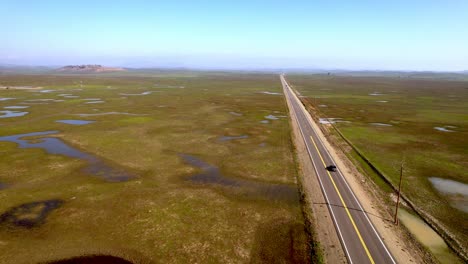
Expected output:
(391, 120)
(161, 214)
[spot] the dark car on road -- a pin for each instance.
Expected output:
(331, 168)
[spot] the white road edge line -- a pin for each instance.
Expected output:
(360, 206)
(321, 185)
(354, 196)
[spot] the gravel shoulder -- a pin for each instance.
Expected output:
(318, 213)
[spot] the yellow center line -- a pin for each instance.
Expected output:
(346, 207)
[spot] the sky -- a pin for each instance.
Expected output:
(241, 34)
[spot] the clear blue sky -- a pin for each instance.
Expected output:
(397, 34)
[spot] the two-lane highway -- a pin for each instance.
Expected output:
(361, 242)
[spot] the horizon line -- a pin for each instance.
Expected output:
(200, 68)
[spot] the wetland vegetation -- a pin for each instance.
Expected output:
(234, 199)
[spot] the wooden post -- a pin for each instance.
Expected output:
(398, 197)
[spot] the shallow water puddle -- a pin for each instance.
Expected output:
(332, 120)
(44, 100)
(427, 236)
(29, 214)
(8, 113)
(75, 122)
(94, 102)
(265, 122)
(169, 86)
(445, 128)
(376, 94)
(68, 96)
(56, 146)
(6, 98)
(47, 91)
(109, 113)
(271, 93)
(212, 175)
(381, 124)
(32, 103)
(16, 107)
(271, 117)
(228, 138)
(382, 101)
(457, 192)
(143, 93)
(235, 114)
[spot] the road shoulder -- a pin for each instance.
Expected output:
(322, 223)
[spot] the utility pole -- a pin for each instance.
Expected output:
(395, 220)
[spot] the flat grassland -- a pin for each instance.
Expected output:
(206, 180)
(421, 121)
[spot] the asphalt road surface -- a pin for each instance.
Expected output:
(361, 242)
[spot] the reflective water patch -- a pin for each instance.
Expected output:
(381, 124)
(456, 192)
(256, 189)
(75, 122)
(47, 91)
(45, 100)
(56, 146)
(109, 113)
(445, 128)
(271, 93)
(143, 93)
(16, 107)
(271, 117)
(427, 236)
(228, 138)
(235, 114)
(8, 113)
(332, 120)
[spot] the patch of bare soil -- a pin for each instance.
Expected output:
(280, 241)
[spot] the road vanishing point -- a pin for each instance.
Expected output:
(359, 239)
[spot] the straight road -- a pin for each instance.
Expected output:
(361, 242)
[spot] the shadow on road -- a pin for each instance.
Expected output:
(355, 209)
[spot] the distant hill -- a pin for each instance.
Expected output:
(90, 68)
